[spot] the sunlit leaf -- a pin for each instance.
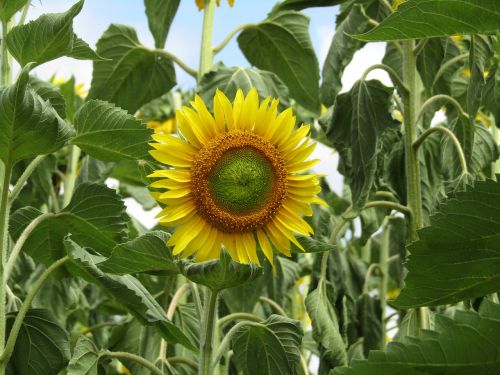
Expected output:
(160, 14)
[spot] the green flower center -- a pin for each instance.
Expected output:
(241, 181)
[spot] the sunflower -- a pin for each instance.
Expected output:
(234, 179)
(201, 3)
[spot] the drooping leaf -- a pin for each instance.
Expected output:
(429, 61)
(341, 52)
(109, 133)
(28, 125)
(220, 274)
(147, 253)
(466, 344)
(42, 346)
(85, 359)
(431, 18)
(281, 44)
(95, 217)
(275, 342)
(9, 7)
(457, 257)
(326, 331)
(49, 93)
(229, 80)
(47, 38)
(369, 317)
(132, 75)
(160, 14)
(126, 290)
(359, 119)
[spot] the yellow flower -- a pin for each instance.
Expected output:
(166, 127)
(201, 3)
(234, 179)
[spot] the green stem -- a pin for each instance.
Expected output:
(4, 246)
(99, 326)
(207, 53)
(440, 98)
(70, 180)
(448, 65)
(274, 305)
(412, 164)
(196, 297)
(369, 272)
(206, 341)
(230, 36)
(395, 78)
(452, 137)
(5, 73)
(238, 316)
(192, 72)
(20, 243)
(16, 327)
(132, 357)
(384, 279)
(24, 14)
(184, 361)
(24, 177)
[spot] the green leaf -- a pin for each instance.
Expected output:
(312, 245)
(109, 133)
(281, 44)
(132, 75)
(85, 358)
(341, 52)
(275, 343)
(243, 298)
(429, 61)
(220, 274)
(73, 101)
(47, 38)
(229, 80)
(160, 14)
(95, 217)
(10, 7)
(49, 93)
(456, 257)
(430, 18)
(370, 323)
(464, 345)
(359, 119)
(303, 4)
(28, 125)
(82, 51)
(127, 291)
(147, 253)
(325, 325)
(42, 346)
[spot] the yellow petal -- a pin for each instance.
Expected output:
(199, 129)
(169, 184)
(174, 174)
(177, 193)
(170, 159)
(223, 111)
(249, 110)
(297, 207)
(302, 166)
(237, 108)
(175, 143)
(241, 249)
(265, 245)
(294, 223)
(296, 137)
(228, 242)
(205, 117)
(265, 117)
(280, 242)
(250, 247)
(278, 122)
(288, 234)
(186, 130)
(184, 235)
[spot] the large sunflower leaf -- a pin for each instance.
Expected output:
(229, 80)
(147, 253)
(429, 18)
(132, 75)
(466, 344)
(160, 14)
(220, 274)
(49, 93)
(457, 257)
(9, 7)
(85, 359)
(281, 44)
(303, 4)
(274, 342)
(95, 217)
(42, 346)
(47, 38)
(29, 126)
(109, 133)
(127, 291)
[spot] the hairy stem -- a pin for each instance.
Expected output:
(5, 72)
(230, 36)
(207, 53)
(384, 279)
(277, 308)
(452, 137)
(20, 243)
(16, 327)
(192, 72)
(24, 177)
(184, 361)
(395, 78)
(440, 98)
(132, 357)
(206, 341)
(238, 316)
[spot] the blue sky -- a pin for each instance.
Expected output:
(184, 37)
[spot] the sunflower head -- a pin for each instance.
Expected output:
(201, 3)
(233, 179)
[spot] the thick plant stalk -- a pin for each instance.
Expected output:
(207, 52)
(5, 76)
(207, 338)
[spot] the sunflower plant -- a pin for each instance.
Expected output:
(257, 263)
